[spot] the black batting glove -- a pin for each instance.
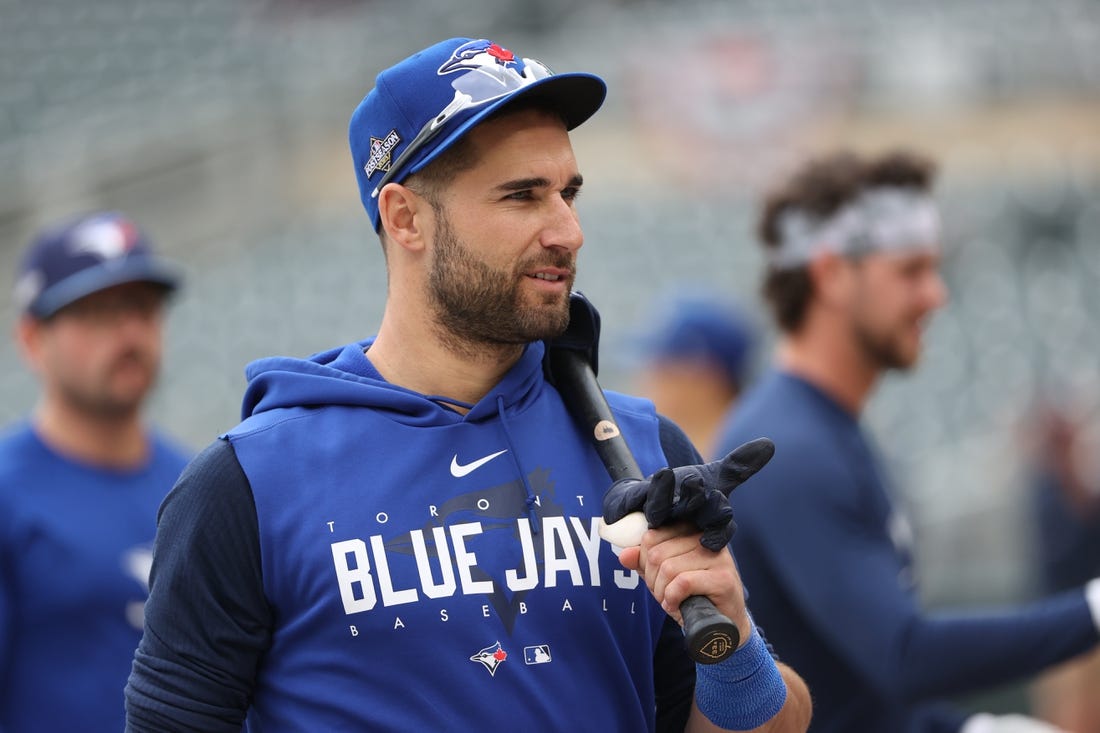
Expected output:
(698, 494)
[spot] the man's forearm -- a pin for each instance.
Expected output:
(796, 712)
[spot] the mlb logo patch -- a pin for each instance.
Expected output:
(539, 654)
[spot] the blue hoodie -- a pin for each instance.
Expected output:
(421, 569)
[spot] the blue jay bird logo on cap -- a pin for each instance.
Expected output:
(477, 55)
(106, 238)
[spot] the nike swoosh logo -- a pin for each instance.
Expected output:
(458, 470)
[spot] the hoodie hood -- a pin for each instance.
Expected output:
(345, 376)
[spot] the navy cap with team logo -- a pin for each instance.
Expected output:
(419, 107)
(84, 255)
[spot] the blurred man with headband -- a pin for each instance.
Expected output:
(853, 253)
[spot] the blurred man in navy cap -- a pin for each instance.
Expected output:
(853, 247)
(697, 360)
(81, 478)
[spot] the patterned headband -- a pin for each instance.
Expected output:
(885, 218)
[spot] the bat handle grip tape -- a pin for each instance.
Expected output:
(710, 637)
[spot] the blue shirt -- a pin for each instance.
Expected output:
(820, 544)
(75, 549)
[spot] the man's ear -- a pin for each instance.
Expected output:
(403, 214)
(28, 333)
(829, 275)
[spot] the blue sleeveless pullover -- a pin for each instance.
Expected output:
(430, 570)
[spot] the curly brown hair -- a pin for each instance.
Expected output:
(821, 187)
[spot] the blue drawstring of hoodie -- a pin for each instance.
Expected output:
(531, 500)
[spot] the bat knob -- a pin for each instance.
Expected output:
(709, 635)
(627, 532)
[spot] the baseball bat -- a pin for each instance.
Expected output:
(709, 635)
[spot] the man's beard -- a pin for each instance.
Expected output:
(107, 401)
(476, 304)
(885, 350)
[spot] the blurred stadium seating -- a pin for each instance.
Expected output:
(221, 126)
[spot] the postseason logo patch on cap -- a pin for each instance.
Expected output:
(381, 153)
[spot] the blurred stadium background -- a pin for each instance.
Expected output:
(220, 125)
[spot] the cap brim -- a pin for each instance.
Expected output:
(576, 96)
(102, 277)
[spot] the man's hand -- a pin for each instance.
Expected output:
(696, 494)
(674, 565)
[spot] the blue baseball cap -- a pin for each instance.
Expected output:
(424, 104)
(84, 255)
(703, 328)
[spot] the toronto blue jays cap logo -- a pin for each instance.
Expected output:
(477, 55)
(422, 105)
(107, 238)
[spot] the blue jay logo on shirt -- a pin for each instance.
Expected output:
(901, 535)
(491, 657)
(136, 563)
